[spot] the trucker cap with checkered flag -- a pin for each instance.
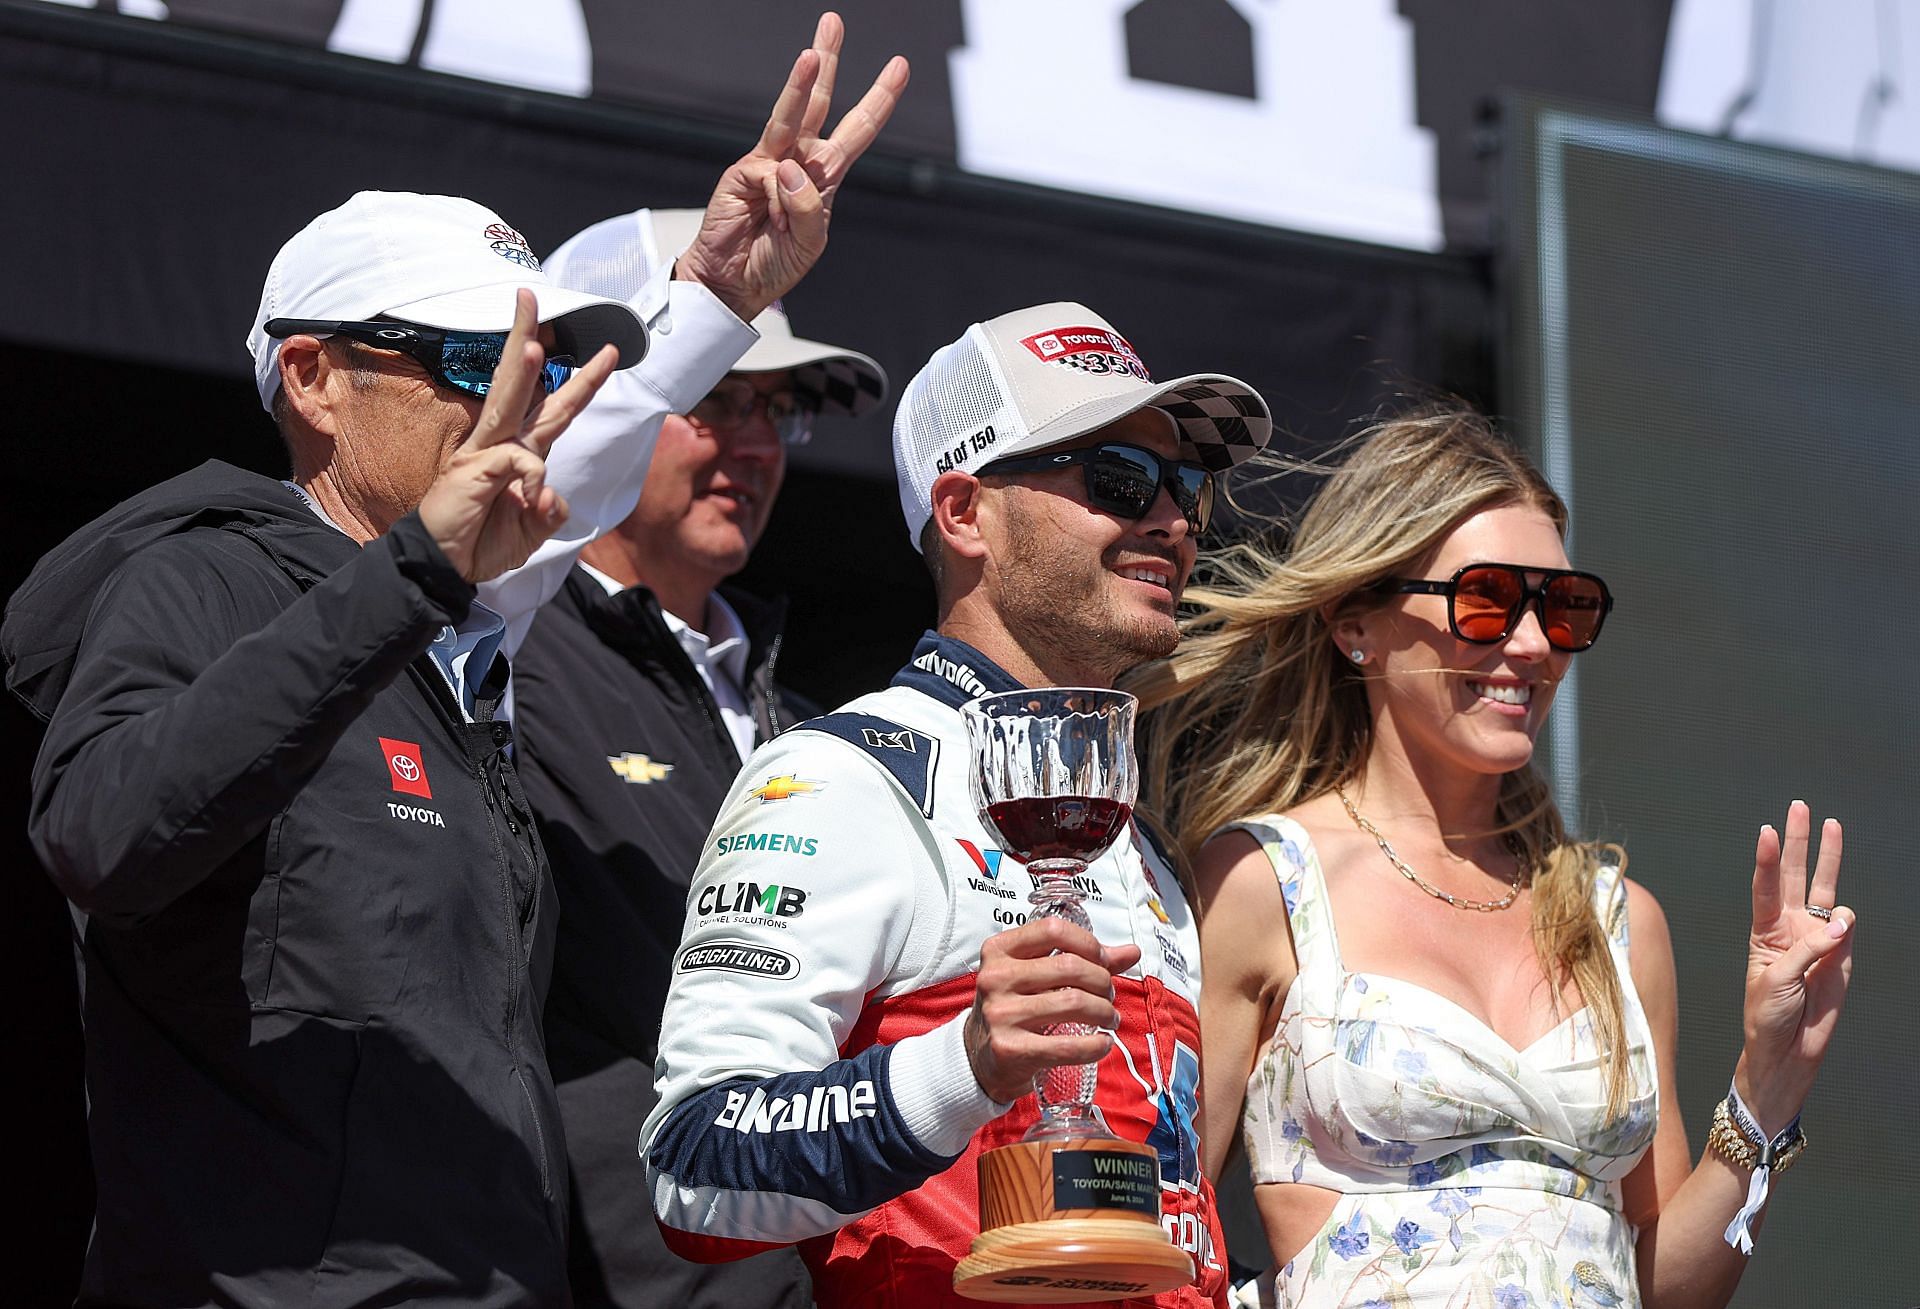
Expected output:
(1037, 377)
(616, 256)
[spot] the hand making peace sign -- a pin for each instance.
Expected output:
(765, 227)
(766, 224)
(490, 507)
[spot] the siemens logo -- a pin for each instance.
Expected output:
(824, 1106)
(769, 842)
(751, 898)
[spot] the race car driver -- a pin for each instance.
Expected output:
(858, 1002)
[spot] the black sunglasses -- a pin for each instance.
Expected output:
(464, 361)
(1126, 479)
(1485, 602)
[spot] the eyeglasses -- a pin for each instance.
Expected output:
(1485, 602)
(1126, 480)
(464, 361)
(731, 405)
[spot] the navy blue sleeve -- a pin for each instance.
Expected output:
(831, 1135)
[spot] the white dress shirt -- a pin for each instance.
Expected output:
(600, 461)
(719, 655)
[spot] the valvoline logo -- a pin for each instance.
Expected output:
(987, 861)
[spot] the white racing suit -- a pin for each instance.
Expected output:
(813, 1085)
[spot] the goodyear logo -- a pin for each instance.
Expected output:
(637, 768)
(785, 786)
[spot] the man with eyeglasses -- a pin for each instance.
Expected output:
(316, 920)
(858, 1006)
(638, 693)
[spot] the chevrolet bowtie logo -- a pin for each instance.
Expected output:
(637, 767)
(785, 787)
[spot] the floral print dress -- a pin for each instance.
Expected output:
(1472, 1175)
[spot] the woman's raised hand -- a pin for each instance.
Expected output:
(1798, 966)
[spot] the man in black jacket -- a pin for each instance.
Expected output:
(638, 694)
(317, 923)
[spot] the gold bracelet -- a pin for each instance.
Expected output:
(1726, 1139)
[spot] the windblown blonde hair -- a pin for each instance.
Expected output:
(1258, 713)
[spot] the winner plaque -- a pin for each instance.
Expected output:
(1070, 1213)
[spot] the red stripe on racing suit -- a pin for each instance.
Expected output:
(904, 1252)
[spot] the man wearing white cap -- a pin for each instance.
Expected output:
(316, 920)
(858, 1006)
(636, 696)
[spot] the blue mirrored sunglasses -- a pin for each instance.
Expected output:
(464, 361)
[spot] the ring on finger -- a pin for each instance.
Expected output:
(1821, 912)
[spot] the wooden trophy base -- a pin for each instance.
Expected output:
(1070, 1232)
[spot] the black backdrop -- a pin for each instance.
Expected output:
(1713, 351)
(151, 171)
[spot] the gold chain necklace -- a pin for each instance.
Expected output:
(1458, 902)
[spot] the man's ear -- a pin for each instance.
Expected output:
(956, 514)
(309, 377)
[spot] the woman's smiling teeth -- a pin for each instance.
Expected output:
(1503, 692)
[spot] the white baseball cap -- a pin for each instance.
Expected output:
(616, 256)
(436, 260)
(1037, 377)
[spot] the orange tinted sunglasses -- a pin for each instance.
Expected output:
(1485, 602)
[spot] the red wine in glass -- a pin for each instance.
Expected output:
(1053, 777)
(1049, 827)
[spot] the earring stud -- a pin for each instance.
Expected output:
(1359, 656)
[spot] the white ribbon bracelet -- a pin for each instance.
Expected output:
(1739, 1233)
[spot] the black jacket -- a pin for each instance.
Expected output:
(627, 760)
(317, 920)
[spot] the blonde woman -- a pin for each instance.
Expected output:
(1452, 1026)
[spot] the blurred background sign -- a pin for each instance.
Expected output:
(1351, 118)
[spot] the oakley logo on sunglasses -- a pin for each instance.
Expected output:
(464, 361)
(1485, 602)
(1125, 480)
